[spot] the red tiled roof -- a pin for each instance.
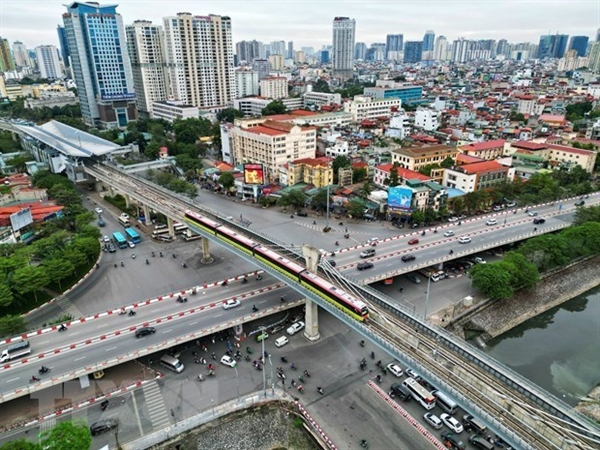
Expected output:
(552, 118)
(485, 166)
(302, 112)
(260, 129)
(479, 146)
(404, 173)
(528, 145)
(467, 159)
(564, 148)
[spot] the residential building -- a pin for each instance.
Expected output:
(7, 62)
(246, 83)
(460, 49)
(571, 61)
(64, 46)
(278, 48)
(440, 49)
(315, 171)
(566, 158)
(20, 54)
(360, 51)
(487, 150)
(274, 87)
(48, 62)
(248, 51)
(146, 47)
(394, 44)
(363, 107)
(552, 46)
(170, 110)
(477, 176)
(376, 52)
(399, 125)
(262, 67)
(51, 99)
(276, 62)
(385, 89)
(253, 106)
(413, 51)
(579, 44)
(102, 71)
(383, 172)
(200, 59)
(428, 41)
(427, 119)
(290, 49)
(299, 57)
(594, 57)
(272, 144)
(414, 158)
(343, 47)
(318, 99)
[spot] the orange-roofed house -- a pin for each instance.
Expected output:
(272, 144)
(315, 171)
(477, 176)
(384, 171)
(414, 158)
(553, 120)
(488, 150)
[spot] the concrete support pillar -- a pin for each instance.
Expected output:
(311, 319)
(127, 200)
(111, 191)
(147, 215)
(98, 186)
(206, 257)
(171, 227)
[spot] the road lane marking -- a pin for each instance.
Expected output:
(79, 359)
(12, 379)
(193, 323)
(168, 331)
(109, 349)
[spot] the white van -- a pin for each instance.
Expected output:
(171, 363)
(280, 342)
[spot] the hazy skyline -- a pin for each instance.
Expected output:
(309, 23)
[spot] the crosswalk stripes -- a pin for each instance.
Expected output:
(156, 406)
(68, 307)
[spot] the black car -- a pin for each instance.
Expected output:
(301, 214)
(111, 248)
(539, 221)
(407, 258)
(145, 332)
(103, 426)
(364, 265)
(450, 440)
(580, 203)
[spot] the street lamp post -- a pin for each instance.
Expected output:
(237, 382)
(262, 332)
(328, 184)
(427, 298)
(272, 379)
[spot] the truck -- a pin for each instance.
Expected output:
(15, 350)
(433, 273)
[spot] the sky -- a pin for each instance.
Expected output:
(309, 23)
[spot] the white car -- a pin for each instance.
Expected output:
(532, 213)
(105, 239)
(98, 210)
(131, 244)
(453, 219)
(449, 233)
(464, 240)
(395, 369)
(433, 420)
(412, 374)
(491, 222)
(295, 328)
(231, 303)
(479, 260)
(228, 361)
(125, 216)
(452, 423)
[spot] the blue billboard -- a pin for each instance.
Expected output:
(400, 197)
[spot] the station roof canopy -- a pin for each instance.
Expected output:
(68, 140)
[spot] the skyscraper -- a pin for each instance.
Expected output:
(20, 54)
(248, 50)
(579, 44)
(440, 49)
(146, 47)
(552, 46)
(200, 59)
(393, 46)
(428, 41)
(64, 46)
(48, 62)
(7, 61)
(413, 51)
(290, 50)
(278, 48)
(262, 67)
(460, 48)
(360, 51)
(343, 47)
(503, 48)
(100, 63)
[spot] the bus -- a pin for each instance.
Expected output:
(132, 235)
(124, 221)
(120, 240)
(180, 228)
(445, 403)
(419, 393)
(160, 232)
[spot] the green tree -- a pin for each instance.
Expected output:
(70, 435)
(338, 163)
(6, 295)
(88, 246)
(458, 205)
(227, 180)
(430, 215)
(356, 207)
(295, 198)
(426, 170)
(30, 279)
(359, 174)
(366, 189)
(523, 274)
(20, 444)
(447, 163)
(547, 251)
(492, 280)
(576, 111)
(19, 162)
(319, 200)
(273, 108)
(12, 324)
(229, 115)
(186, 162)
(588, 214)
(188, 131)
(321, 85)
(394, 180)
(417, 216)
(58, 269)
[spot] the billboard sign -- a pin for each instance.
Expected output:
(21, 219)
(400, 198)
(254, 174)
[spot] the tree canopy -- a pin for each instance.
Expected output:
(68, 435)
(273, 108)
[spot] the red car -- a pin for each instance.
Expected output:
(413, 241)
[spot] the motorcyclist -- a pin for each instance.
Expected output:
(337, 243)
(147, 262)
(320, 390)
(254, 308)
(451, 252)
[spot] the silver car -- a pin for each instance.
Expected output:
(433, 420)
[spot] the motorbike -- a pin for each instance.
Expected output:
(244, 280)
(362, 343)
(258, 277)
(43, 370)
(104, 405)
(147, 262)
(378, 378)
(347, 236)
(184, 265)
(337, 243)
(249, 350)
(320, 391)
(122, 312)
(181, 299)
(131, 312)
(254, 308)
(307, 373)
(435, 231)
(247, 358)
(174, 256)
(363, 443)
(283, 359)
(153, 254)
(200, 377)
(33, 379)
(451, 252)
(282, 299)
(300, 389)
(194, 291)
(422, 233)
(122, 264)
(160, 254)
(62, 328)
(213, 356)
(133, 256)
(341, 224)
(292, 366)
(372, 355)
(224, 283)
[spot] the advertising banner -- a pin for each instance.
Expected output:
(254, 174)
(400, 198)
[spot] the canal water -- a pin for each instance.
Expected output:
(558, 350)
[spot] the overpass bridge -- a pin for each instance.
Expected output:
(516, 408)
